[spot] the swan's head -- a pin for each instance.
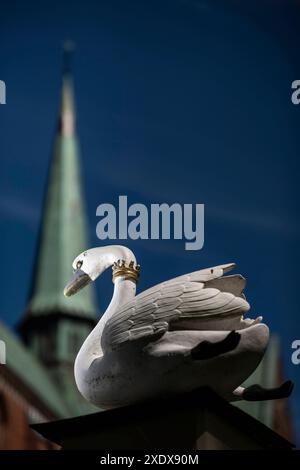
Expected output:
(90, 264)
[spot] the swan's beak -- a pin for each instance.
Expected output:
(79, 280)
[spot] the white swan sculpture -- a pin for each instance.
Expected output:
(177, 336)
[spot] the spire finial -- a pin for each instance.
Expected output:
(67, 113)
(68, 49)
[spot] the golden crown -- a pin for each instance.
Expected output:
(128, 271)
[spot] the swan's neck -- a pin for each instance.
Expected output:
(124, 290)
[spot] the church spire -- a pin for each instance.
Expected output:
(62, 236)
(67, 109)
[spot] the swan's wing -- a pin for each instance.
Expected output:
(204, 275)
(201, 294)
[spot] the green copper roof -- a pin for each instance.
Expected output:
(26, 367)
(265, 375)
(75, 403)
(62, 234)
(54, 327)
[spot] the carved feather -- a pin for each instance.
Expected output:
(199, 296)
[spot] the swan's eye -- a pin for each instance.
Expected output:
(78, 264)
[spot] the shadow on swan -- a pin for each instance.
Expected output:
(177, 336)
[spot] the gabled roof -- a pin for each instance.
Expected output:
(29, 370)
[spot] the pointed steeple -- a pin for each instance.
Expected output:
(55, 327)
(63, 227)
(66, 125)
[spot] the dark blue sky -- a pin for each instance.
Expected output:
(178, 101)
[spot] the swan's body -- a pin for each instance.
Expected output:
(144, 346)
